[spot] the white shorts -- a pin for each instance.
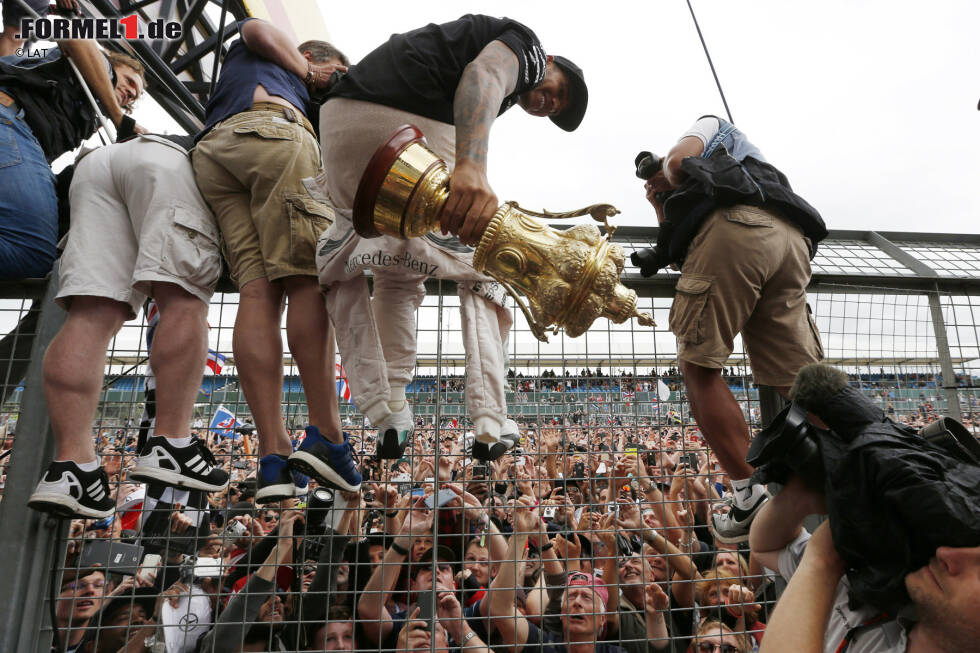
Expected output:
(137, 217)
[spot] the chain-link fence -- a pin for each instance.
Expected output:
(592, 529)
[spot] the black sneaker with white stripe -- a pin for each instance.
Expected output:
(67, 491)
(192, 467)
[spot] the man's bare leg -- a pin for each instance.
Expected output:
(180, 348)
(311, 343)
(257, 344)
(74, 367)
(719, 417)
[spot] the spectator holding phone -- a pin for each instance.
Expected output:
(257, 602)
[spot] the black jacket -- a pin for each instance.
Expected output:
(54, 104)
(719, 181)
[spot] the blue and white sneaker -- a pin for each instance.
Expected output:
(301, 483)
(273, 482)
(329, 463)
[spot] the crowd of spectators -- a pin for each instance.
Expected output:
(580, 537)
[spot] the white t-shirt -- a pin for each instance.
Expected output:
(887, 637)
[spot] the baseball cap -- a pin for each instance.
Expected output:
(589, 580)
(571, 117)
(441, 554)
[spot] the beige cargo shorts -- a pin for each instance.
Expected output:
(746, 272)
(250, 168)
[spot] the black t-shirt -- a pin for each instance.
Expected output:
(418, 71)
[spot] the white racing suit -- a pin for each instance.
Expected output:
(376, 338)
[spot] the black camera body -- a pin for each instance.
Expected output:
(647, 165)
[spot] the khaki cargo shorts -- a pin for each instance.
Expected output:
(746, 272)
(250, 168)
(137, 218)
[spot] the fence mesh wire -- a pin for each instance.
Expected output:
(610, 478)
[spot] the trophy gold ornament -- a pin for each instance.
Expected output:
(569, 277)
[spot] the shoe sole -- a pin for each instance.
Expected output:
(173, 479)
(310, 465)
(65, 506)
(738, 539)
(273, 493)
(391, 448)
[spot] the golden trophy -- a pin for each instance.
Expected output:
(569, 277)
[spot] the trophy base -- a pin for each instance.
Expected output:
(374, 176)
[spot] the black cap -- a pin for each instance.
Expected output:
(571, 117)
(441, 553)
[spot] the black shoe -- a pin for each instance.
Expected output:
(192, 467)
(67, 491)
(510, 435)
(394, 434)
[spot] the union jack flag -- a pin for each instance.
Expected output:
(343, 387)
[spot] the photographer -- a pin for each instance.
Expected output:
(814, 614)
(742, 240)
(256, 612)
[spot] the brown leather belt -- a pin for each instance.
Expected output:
(6, 100)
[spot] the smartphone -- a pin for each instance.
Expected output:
(549, 511)
(427, 607)
(418, 492)
(479, 471)
(445, 496)
(148, 568)
(522, 461)
(690, 459)
(207, 568)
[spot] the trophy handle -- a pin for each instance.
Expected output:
(536, 328)
(599, 212)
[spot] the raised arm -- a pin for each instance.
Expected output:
(91, 64)
(511, 625)
(801, 616)
(270, 42)
(370, 607)
(485, 82)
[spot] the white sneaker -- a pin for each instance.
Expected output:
(732, 527)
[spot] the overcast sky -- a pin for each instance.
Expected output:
(870, 108)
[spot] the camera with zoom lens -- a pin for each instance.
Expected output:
(647, 165)
(318, 509)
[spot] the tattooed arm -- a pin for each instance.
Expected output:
(486, 81)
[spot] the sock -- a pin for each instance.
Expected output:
(90, 466)
(397, 399)
(180, 442)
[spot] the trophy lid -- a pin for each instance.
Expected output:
(374, 176)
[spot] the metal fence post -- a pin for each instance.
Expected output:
(945, 360)
(27, 537)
